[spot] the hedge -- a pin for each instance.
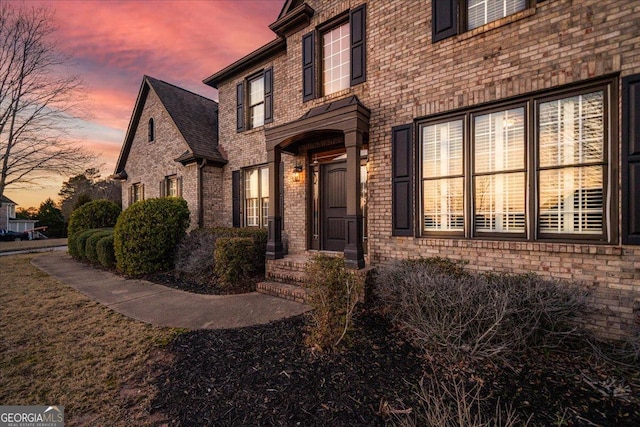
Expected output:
(96, 214)
(147, 233)
(105, 251)
(233, 264)
(90, 248)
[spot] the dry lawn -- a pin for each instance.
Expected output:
(57, 347)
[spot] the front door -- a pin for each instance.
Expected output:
(333, 194)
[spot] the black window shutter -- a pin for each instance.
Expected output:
(239, 107)
(268, 95)
(130, 195)
(179, 187)
(631, 160)
(163, 187)
(358, 45)
(308, 66)
(444, 19)
(235, 196)
(401, 170)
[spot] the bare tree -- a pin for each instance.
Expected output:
(37, 100)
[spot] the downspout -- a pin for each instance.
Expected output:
(200, 193)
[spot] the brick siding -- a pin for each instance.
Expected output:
(552, 44)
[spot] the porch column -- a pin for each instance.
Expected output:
(353, 251)
(274, 220)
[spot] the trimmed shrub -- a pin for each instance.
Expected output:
(147, 233)
(195, 256)
(81, 243)
(106, 253)
(233, 265)
(332, 292)
(96, 214)
(90, 248)
(446, 309)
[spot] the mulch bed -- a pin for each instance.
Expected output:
(169, 279)
(265, 376)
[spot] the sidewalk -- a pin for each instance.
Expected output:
(163, 306)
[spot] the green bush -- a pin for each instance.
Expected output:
(105, 251)
(90, 248)
(332, 292)
(232, 264)
(195, 257)
(80, 243)
(96, 214)
(147, 233)
(259, 237)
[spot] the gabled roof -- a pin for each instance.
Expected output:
(195, 117)
(5, 199)
(288, 6)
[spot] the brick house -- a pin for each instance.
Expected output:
(171, 149)
(504, 136)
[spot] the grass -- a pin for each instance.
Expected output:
(58, 347)
(31, 244)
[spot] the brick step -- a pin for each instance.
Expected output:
(282, 290)
(286, 276)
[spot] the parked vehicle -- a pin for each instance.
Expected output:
(13, 236)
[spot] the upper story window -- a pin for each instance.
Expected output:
(336, 59)
(151, 130)
(480, 12)
(535, 169)
(451, 17)
(256, 93)
(256, 102)
(341, 58)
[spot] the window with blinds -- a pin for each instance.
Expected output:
(536, 169)
(571, 166)
(499, 172)
(480, 12)
(443, 176)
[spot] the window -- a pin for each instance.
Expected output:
(342, 55)
(151, 130)
(335, 59)
(256, 196)
(136, 193)
(256, 102)
(480, 12)
(171, 186)
(259, 101)
(500, 191)
(447, 22)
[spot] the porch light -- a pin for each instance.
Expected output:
(297, 169)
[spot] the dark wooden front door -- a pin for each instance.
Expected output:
(333, 193)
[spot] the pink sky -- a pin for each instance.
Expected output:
(114, 43)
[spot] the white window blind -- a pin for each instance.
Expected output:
(480, 12)
(571, 151)
(499, 186)
(442, 169)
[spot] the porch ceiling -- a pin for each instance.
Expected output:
(331, 119)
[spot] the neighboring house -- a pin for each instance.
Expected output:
(7, 211)
(8, 219)
(508, 137)
(171, 149)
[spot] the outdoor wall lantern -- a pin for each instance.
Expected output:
(297, 170)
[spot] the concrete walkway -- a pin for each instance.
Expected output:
(163, 306)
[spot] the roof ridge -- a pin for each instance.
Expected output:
(146, 76)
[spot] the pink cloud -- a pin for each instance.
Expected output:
(114, 43)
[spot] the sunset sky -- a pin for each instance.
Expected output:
(115, 43)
